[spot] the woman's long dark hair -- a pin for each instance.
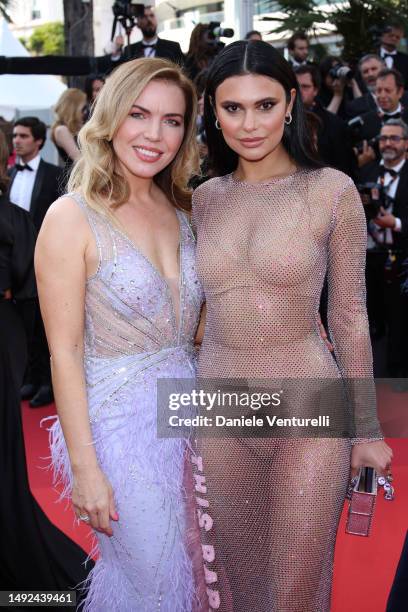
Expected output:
(255, 57)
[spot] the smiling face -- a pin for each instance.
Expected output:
(251, 110)
(149, 138)
(369, 71)
(392, 144)
(387, 93)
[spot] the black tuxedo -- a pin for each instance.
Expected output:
(370, 173)
(47, 188)
(333, 141)
(401, 64)
(167, 49)
(387, 307)
(361, 106)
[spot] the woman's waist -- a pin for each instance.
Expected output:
(304, 357)
(265, 335)
(172, 359)
(262, 320)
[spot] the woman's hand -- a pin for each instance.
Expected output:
(377, 455)
(323, 333)
(92, 496)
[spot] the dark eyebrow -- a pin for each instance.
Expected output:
(269, 99)
(145, 110)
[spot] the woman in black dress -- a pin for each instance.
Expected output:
(34, 554)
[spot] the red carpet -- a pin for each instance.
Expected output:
(364, 567)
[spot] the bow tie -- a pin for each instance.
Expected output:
(145, 46)
(389, 171)
(392, 55)
(21, 167)
(386, 116)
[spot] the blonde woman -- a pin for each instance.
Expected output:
(70, 111)
(121, 301)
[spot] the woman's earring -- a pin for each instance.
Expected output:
(217, 124)
(288, 119)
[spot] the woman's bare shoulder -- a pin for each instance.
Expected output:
(65, 218)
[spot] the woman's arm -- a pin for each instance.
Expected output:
(61, 276)
(348, 326)
(66, 141)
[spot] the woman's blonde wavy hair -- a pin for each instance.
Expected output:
(96, 174)
(69, 110)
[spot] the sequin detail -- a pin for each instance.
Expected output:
(263, 251)
(134, 335)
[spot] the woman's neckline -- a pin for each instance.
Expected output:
(270, 181)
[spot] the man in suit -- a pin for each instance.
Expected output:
(369, 67)
(333, 142)
(389, 90)
(34, 185)
(388, 245)
(151, 45)
(390, 39)
(298, 47)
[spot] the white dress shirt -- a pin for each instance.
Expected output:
(23, 184)
(150, 51)
(397, 111)
(385, 56)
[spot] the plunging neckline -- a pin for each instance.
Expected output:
(176, 316)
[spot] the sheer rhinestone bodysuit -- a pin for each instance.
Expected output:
(136, 333)
(272, 505)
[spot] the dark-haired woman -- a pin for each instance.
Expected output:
(202, 50)
(34, 554)
(93, 87)
(336, 93)
(269, 229)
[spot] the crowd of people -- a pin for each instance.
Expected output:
(122, 297)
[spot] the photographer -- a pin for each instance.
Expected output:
(333, 142)
(151, 45)
(201, 51)
(339, 87)
(369, 68)
(205, 44)
(385, 197)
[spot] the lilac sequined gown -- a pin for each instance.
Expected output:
(136, 331)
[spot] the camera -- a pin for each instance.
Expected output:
(355, 127)
(127, 9)
(215, 31)
(374, 196)
(340, 71)
(126, 13)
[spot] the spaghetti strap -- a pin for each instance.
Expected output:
(101, 228)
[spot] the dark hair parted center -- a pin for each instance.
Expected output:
(258, 58)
